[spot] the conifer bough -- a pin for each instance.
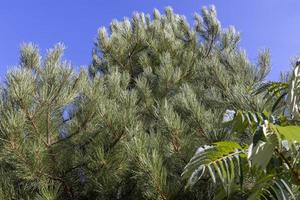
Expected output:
(126, 127)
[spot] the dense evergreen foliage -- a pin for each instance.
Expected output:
(127, 126)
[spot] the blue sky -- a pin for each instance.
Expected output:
(273, 24)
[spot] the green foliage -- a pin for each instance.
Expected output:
(221, 160)
(247, 119)
(290, 133)
(126, 127)
(273, 92)
(274, 149)
(269, 187)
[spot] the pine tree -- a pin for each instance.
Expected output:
(269, 167)
(126, 127)
(185, 78)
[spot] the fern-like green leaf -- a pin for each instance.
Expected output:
(271, 188)
(275, 92)
(294, 94)
(247, 119)
(221, 160)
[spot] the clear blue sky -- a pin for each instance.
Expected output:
(274, 24)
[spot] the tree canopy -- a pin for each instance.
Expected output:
(128, 126)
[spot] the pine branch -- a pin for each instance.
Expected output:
(67, 188)
(80, 128)
(31, 120)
